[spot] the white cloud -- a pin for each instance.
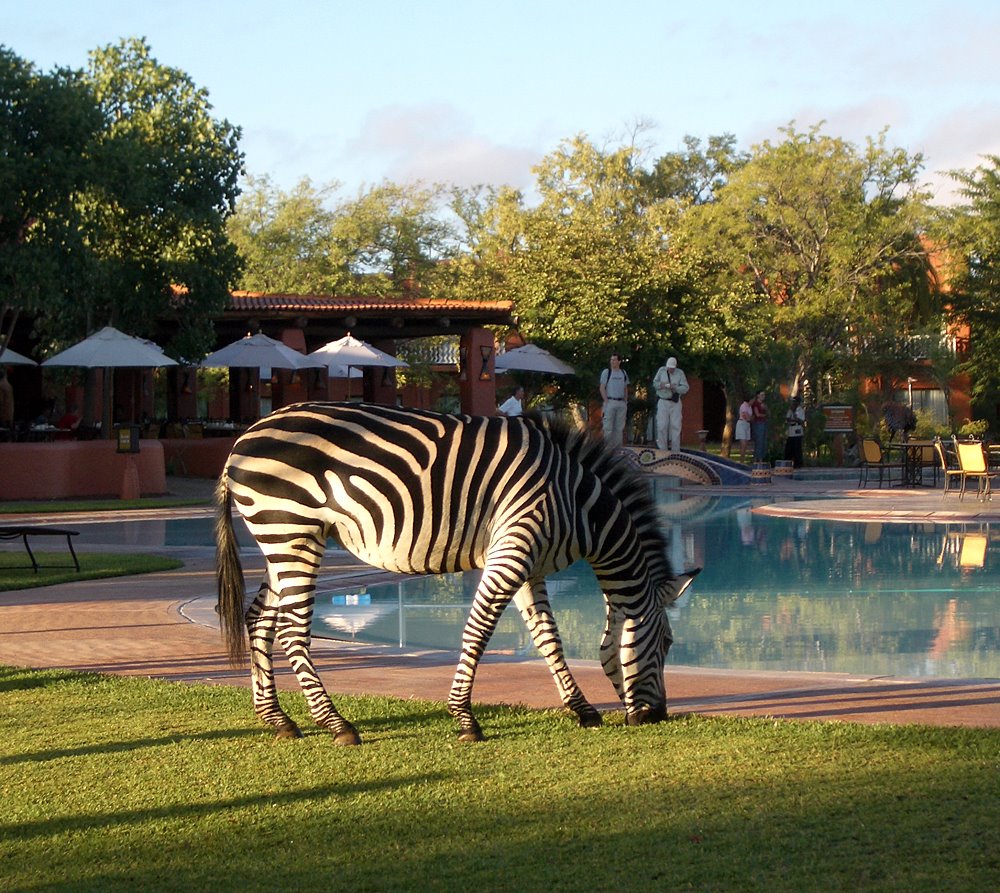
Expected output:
(437, 143)
(958, 141)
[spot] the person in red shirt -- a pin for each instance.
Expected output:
(70, 419)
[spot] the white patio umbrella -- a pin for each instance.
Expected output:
(13, 358)
(259, 352)
(352, 352)
(336, 370)
(532, 359)
(110, 349)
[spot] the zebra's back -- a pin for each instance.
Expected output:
(406, 490)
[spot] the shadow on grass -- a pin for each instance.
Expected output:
(195, 811)
(118, 747)
(13, 679)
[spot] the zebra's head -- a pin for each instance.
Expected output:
(647, 702)
(635, 646)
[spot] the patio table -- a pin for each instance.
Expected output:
(916, 455)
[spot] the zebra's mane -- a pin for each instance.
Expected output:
(628, 484)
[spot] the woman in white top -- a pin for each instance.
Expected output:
(742, 435)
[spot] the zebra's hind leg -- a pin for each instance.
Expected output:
(261, 620)
(532, 601)
(295, 638)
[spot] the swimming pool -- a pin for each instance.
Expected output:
(907, 599)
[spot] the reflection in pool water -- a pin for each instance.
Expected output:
(906, 599)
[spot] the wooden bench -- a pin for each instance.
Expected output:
(22, 533)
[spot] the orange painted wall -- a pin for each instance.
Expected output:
(196, 457)
(78, 468)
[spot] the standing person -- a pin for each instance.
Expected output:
(742, 435)
(758, 426)
(795, 421)
(513, 406)
(614, 393)
(670, 384)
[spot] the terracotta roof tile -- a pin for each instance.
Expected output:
(244, 300)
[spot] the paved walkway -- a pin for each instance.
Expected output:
(163, 625)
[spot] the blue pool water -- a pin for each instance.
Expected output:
(906, 599)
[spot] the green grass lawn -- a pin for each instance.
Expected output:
(16, 572)
(115, 784)
(45, 506)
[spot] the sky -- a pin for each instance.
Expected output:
(466, 92)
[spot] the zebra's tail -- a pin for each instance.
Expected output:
(229, 576)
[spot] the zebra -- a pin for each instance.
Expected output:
(416, 492)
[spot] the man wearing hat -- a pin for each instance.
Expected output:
(670, 384)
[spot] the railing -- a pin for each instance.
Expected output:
(432, 353)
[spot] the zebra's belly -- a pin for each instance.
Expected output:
(399, 562)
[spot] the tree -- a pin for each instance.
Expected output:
(832, 237)
(972, 233)
(695, 175)
(590, 268)
(47, 126)
(390, 240)
(284, 237)
(154, 221)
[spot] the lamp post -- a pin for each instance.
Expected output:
(909, 388)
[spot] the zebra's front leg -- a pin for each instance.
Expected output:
(261, 620)
(487, 606)
(295, 639)
(533, 602)
(610, 645)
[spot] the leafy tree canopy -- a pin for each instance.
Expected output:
(388, 240)
(591, 268)
(48, 123)
(392, 238)
(116, 185)
(972, 233)
(832, 237)
(157, 217)
(284, 238)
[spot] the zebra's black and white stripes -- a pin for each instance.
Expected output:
(417, 492)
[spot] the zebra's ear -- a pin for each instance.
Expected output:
(678, 586)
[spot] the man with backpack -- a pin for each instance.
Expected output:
(614, 393)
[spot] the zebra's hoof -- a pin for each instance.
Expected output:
(590, 720)
(288, 730)
(472, 734)
(347, 737)
(646, 715)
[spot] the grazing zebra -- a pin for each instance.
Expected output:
(417, 492)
